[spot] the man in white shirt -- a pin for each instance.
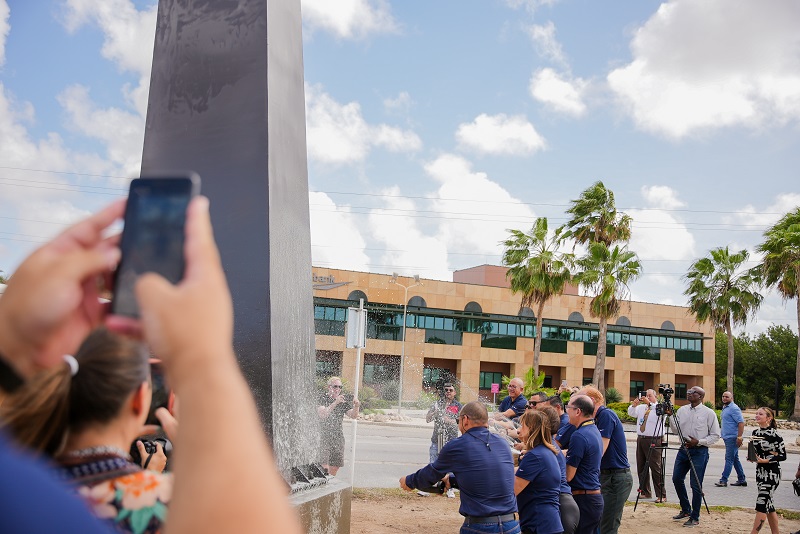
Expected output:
(700, 428)
(650, 432)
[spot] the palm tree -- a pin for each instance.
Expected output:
(537, 270)
(595, 219)
(781, 269)
(606, 273)
(720, 290)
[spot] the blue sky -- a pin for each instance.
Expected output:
(435, 126)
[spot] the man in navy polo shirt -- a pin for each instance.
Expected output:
(513, 405)
(565, 429)
(615, 472)
(583, 462)
(481, 463)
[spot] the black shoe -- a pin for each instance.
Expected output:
(743, 483)
(682, 515)
(721, 484)
(691, 522)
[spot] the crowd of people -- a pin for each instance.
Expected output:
(573, 474)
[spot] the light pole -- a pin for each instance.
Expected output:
(417, 282)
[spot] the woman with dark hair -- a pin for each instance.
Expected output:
(568, 508)
(85, 414)
(770, 451)
(538, 479)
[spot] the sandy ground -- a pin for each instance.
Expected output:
(394, 511)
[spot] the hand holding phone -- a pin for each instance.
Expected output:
(153, 235)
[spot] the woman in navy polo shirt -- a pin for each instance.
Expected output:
(538, 478)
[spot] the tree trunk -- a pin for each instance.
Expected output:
(537, 344)
(600, 363)
(796, 414)
(728, 330)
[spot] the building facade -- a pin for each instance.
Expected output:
(473, 330)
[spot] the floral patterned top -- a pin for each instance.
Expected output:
(129, 498)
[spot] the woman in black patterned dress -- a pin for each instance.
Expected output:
(770, 450)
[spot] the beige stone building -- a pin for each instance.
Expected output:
(473, 330)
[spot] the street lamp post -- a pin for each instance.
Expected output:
(403, 344)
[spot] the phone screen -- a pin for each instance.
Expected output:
(153, 235)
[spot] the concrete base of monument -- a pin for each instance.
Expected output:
(324, 509)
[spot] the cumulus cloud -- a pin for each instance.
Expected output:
(561, 93)
(547, 46)
(412, 250)
(336, 239)
(477, 211)
(699, 66)
(338, 133)
(122, 132)
(400, 105)
(349, 19)
(128, 37)
(751, 215)
(5, 27)
(658, 234)
(500, 134)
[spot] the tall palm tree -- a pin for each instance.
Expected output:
(537, 270)
(720, 290)
(606, 273)
(595, 219)
(781, 270)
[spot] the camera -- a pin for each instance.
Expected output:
(665, 406)
(150, 447)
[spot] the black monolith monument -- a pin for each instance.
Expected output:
(226, 101)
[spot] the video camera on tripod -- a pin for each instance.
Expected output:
(665, 406)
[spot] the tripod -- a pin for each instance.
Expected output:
(658, 432)
(663, 409)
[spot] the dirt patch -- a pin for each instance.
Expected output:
(393, 511)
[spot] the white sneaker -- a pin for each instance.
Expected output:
(422, 493)
(451, 494)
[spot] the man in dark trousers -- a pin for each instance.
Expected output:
(482, 466)
(616, 479)
(583, 462)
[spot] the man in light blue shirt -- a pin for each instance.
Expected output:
(732, 429)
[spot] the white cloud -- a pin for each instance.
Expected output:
(500, 134)
(562, 94)
(661, 196)
(336, 239)
(409, 249)
(750, 215)
(349, 19)
(338, 133)
(401, 104)
(658, 234)
(120, 131)
(547, 46)
(530, 5)
(128, 34)
(705, 65)
(477, 211)
(5, 27)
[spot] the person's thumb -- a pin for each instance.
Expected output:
(153, 291)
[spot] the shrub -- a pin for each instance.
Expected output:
(390, 391)
(613, 395)
(623, 415)
(368, 397)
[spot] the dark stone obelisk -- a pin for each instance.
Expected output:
(227, 101)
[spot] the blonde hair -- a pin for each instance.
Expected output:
(771, 414)
(538, 424)
(594, 394)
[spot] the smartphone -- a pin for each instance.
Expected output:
(162, 394)
(564, 383)
(153, 234)
(641, 395)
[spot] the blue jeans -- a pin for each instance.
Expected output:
(699, 457)
(507, 527)
(732, 461)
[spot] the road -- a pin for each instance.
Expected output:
(384, 453)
